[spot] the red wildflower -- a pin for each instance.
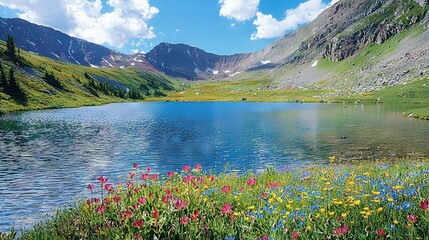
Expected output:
(198, 167)
(380, 232)
(264, 195)
(168, 192)
(135, 165)
(165, 199)
(226, 208)
(129, 184)
(102, 179)
(295, 235)
(154, 176)
(424, 205)
(184, 220)
(141, 200)
(138, 223)
(200, 179)
(251, 181)
(90, 187)
(116, 199)
(126, 214)
(136, 207)
(131, 175)
(197, 212)
(155, 213)
(186, 168)
(194, 218)
(181, 204)
(101, 209)
(170, 174)
(226, 189)
(412, 218)
(231, 217)
(149, 169)
(108, 187)
(136, 190)
(188, 178)
(341, 230)
(144, 176)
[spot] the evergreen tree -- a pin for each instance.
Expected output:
(3, 80)
(11, 49)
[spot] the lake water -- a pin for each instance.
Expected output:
(48, 157)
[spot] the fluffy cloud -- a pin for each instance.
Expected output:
(269, 27)
(85, 19)
(240, 10)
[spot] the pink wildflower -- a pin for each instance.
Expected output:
(226, 208)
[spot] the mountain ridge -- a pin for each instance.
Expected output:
(338, 34)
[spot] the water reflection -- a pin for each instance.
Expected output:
(48, 157)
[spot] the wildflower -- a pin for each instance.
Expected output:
(341, 230)
(380, 232)
(186, 168)
(108, 187)
(412, 218)
(102, 179)
(226, 208)
(138, 224)
(116, 199)
(332, 159)
(90, 187)
(144, 176)
(226, 189)
(188, 178)
(131, 174)
(155, 213)
(198, 167)
(154, 176)
(141, 200)
(184, 220)
(170, 174)
(135, 165)
(181, 204)
(101, 209)
(251, 181)
(356, 202)
(295, 235)
(425, 205)
(149, 169)
(126, 214)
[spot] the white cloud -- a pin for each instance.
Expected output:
(240, 10)
(84, 19)
(269, 27)
(177, 30)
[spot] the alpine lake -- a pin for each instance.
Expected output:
(48, 157)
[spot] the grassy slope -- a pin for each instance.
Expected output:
(252, 90)
(41, 95)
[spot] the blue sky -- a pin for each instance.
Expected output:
(217, 26)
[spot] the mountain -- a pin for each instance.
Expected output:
(359, 45)
(31, 81)
(54, 44)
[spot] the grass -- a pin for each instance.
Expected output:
(251, 90)
(357, 200)
(422, 113)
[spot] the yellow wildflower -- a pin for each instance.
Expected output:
(344, 215)
(357, 202)
(390, 199)
(251, 207)
(379, 209)
(331, 213)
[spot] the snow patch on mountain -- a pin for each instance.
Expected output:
(211, 71)
(315, 63)
(232, 75)
(265, 62)
(56, 55)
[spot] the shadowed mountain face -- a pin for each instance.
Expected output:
(54, 44)
(338, 34)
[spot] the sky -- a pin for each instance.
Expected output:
(129, 26)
